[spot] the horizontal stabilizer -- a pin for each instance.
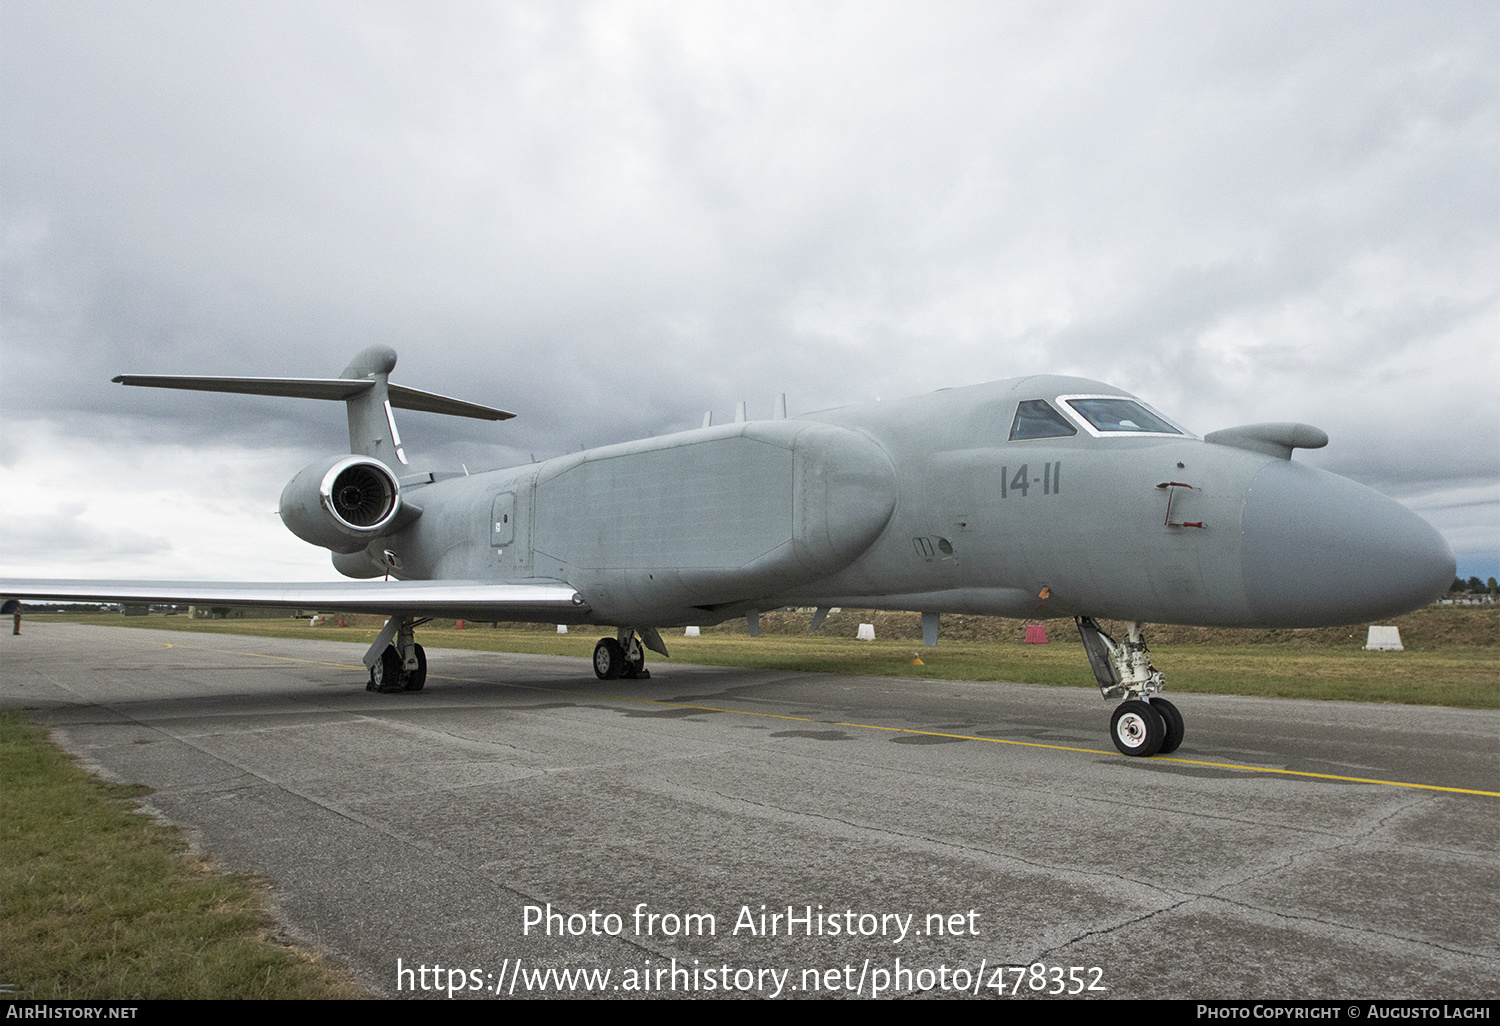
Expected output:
(401, 397)
(538, 600)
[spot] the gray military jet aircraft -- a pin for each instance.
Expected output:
(1035, 496)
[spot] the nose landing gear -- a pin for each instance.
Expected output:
(1144, 724)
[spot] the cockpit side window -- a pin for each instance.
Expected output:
(1121, 415)
(1035, 418)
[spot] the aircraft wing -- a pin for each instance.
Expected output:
(540, 600)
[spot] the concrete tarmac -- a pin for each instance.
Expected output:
(992, 823)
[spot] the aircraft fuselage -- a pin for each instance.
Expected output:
(929, 504)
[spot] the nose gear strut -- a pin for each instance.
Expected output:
(1144, 724)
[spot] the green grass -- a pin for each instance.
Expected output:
(99, 901)
(1452, 656)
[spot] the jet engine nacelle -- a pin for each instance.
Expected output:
(344, 502)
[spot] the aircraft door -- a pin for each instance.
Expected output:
(503, 520)
(510, 532)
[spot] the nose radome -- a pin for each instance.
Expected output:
(1320, 550)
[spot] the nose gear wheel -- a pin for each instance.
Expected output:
(1137, 729)
(1173, 721)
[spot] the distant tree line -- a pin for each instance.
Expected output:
(1474, 586)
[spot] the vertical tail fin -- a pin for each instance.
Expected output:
(372, 426)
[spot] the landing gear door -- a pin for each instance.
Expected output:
(1097, 644)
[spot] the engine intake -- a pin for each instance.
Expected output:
(342, 503)
(359, 496)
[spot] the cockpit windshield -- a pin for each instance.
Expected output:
(1036, 418)
(1127, 415)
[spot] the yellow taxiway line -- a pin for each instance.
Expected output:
(902, 730)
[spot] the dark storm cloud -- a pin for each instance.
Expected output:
(62, 529)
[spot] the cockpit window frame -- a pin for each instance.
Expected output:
(1062, 403)
(1062, 421)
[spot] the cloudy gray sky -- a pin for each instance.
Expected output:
(610, 217)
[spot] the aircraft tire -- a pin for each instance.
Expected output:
(609, 659)
(386, 673)
(1137, 729)
(1172, 719)
(417, 679)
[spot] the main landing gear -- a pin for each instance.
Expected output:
(396, 661)
(620, 657)
(1146, 723)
